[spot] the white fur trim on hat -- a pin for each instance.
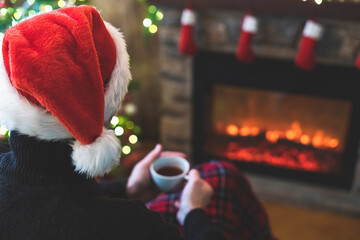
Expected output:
(250, 24)
(313, 30)
(120, 77)
(99, 157)
(188, 17)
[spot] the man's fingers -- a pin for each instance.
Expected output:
(154, 154)
(177, 204)
(193, 174)
(177, 154)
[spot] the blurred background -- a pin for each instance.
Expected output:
(271, 86)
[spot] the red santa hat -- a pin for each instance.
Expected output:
(63, 75)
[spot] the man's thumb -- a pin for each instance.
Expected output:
(154, 154)
(193, 174)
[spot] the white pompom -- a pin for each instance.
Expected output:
(99, 157)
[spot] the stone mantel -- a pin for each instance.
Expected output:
(341, 10)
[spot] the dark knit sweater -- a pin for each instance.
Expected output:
(41, 197)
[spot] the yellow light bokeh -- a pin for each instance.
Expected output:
(61, 3)
(3, 11)
(133, 139)
(153, 28)
(126, 150)
(159, 16)
(17, 15)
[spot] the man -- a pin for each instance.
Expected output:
(63, 75)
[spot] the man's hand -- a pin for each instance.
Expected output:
(196, 194)
(140, 185)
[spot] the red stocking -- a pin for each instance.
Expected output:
(187, 45)
(305, 58)
(358, 62)
(244, 51)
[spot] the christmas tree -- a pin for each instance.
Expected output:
(15, 10)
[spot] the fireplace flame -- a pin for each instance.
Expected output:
(272, 136)
(305, 139)
(244, 131)
(294, 134)
(232, 130)
(333, 143)
(254, 131)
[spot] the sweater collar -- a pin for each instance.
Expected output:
(36, 161)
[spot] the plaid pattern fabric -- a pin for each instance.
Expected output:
(233, 208)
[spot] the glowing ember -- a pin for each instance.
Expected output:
(289, 148)
(317, 140)
(305, 139)
(283, 153)
(272, 136)
(295, 134)
(254, 131)
(290, 134)
(244, 131)
(295, 125)
(232, 130)
(274, 128)
(334, 143)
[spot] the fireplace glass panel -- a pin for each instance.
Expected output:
(285, 130)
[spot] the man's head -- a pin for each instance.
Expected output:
(63, 74)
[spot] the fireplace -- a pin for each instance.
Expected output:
(271, 118)
(293, 169)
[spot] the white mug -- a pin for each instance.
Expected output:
(169, 184)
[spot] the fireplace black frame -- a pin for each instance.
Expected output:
(338, 82)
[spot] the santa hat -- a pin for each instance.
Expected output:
(62, 75)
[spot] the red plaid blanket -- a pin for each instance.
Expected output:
(233, 208)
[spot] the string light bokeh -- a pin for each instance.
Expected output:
(319, 2)
(152, 18)
(16, 10)
(127, 131)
